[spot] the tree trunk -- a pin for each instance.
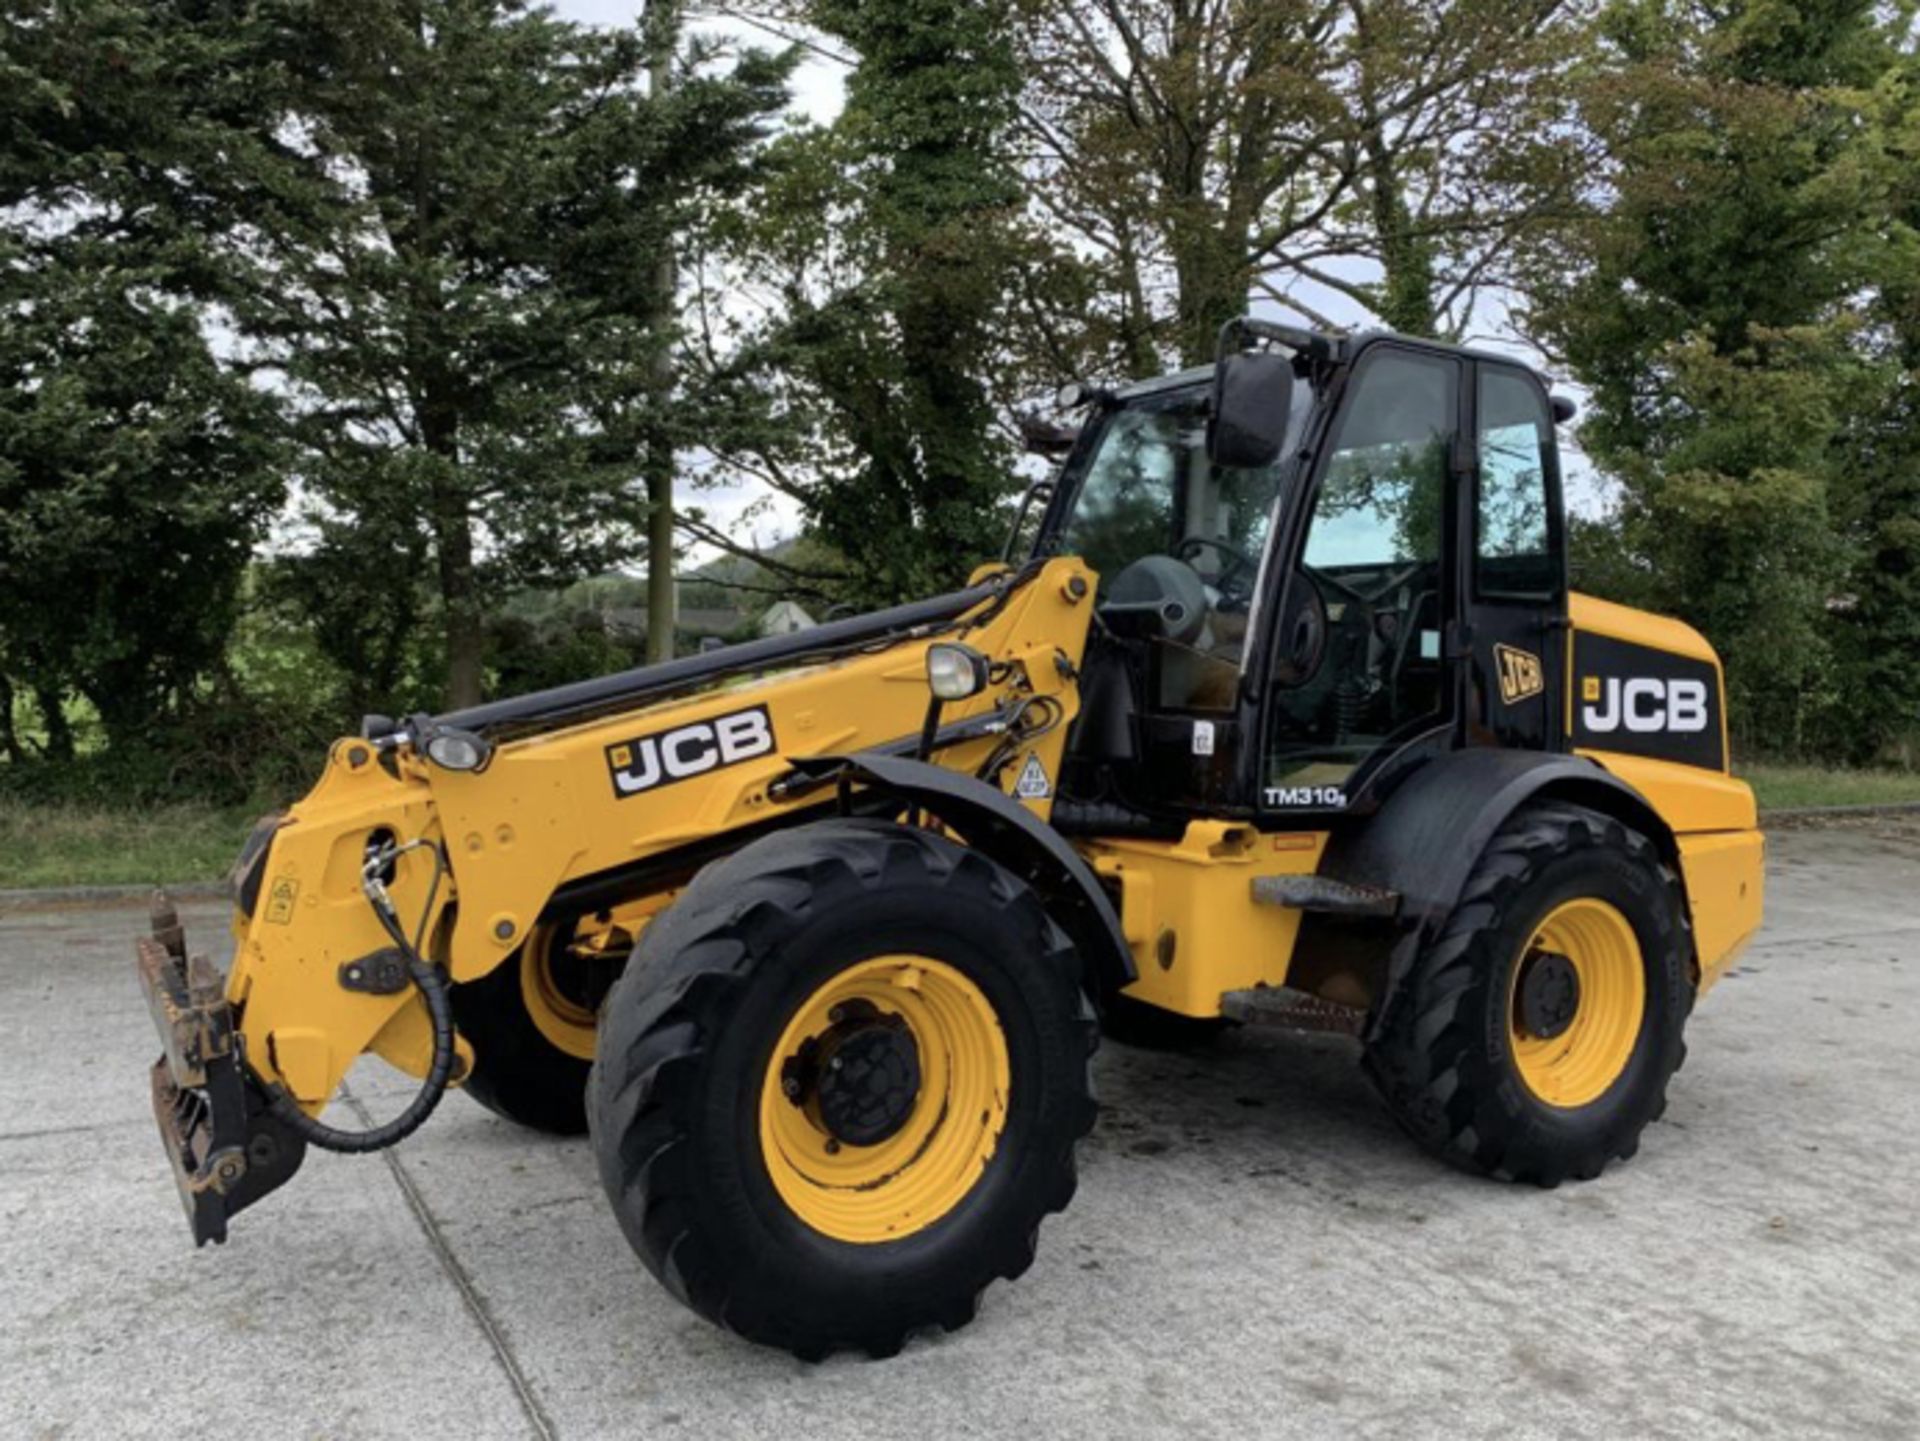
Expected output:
(53, 715)
(1406, 257)
(461, 597)
(663, 33)
(9, 737)
(438, 414)
(1212, 277)
(661, 619)
(463, 614)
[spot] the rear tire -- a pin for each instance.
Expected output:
(1497, 1062)
(519, 1072)
(710, 1122)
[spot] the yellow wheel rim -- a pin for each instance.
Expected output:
(561, 1019)
(951, 1124)
(1575, 1065)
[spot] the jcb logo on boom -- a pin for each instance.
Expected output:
(1643, 704)
(689, 750)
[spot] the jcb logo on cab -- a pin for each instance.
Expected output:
(1520, 674)
(1643, 704)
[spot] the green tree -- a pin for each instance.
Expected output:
(135, 478)
(1876, 491)
(461, 286)
(1709, 299)
(1174, 152)
(1187, 157)
(889, 249)
(137, 469)
(1459, 148)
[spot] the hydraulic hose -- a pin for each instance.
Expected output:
(432, 985)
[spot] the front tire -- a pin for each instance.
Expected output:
(1537, 1034)
(840, 1086)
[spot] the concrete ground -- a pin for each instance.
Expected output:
(1254, 1249)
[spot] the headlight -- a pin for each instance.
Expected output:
(955, 672)
(457, 750)
(1076, 393)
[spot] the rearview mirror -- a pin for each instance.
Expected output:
(1252, 397)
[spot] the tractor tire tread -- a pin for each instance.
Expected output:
(1419, 1063)
(686, 970)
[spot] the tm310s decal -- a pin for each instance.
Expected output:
(648, 762)
(1327, 798)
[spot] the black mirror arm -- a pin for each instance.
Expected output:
(1236, 333)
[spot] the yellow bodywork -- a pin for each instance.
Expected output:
(1189, 916)
(1711, 813)
(544, 813)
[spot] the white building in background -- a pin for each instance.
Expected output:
(783, 617)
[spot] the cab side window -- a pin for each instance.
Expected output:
(1513, 553)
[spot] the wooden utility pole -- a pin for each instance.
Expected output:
(663, 31)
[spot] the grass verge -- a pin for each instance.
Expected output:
(70, 845)
(1782, 787)
(60, 845)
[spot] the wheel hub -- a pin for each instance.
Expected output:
(1548, 996)
(863, 1075)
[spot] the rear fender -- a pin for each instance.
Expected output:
(1425, 839)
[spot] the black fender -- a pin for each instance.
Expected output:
(993, 823)
(1424, 840)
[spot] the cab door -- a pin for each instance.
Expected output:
(1363, 666)
(1515, 580)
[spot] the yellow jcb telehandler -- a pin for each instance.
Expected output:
(1280, 710)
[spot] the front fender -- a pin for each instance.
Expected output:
(995, 824)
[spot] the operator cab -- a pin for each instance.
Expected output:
(1320, 561)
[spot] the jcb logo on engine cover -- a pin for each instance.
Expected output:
(1520, 674)
(690, 750)
(1643, 704)
(1640, 700)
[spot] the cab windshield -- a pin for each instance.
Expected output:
(1154, 516)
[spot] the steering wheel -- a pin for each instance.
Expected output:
(1238, 563)
(1371, 598)
(1383, 622)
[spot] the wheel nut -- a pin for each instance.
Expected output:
(833, 1147)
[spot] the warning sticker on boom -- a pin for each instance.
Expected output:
(1033, 784)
